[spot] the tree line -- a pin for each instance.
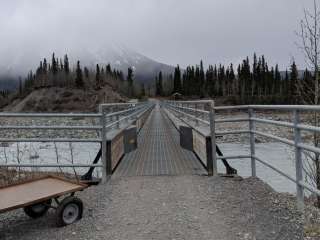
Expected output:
(254, 82)
(4, 93)
(58, 73)
(248, 83)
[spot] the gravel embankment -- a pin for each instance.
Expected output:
(183, 207)
(43, 133)
(312, 222)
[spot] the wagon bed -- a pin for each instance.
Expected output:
(33, 192)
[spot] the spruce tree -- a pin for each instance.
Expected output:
(277, 80)
(215, 80)
(102, 76)
(45, 65)
(130, 82)
(177, 80)
(54, 64)
(86, 72)
(66, 64)
(160, 82)
(156, 83)
(209, 80)
(202, 91)
(143, 91)
(294, 81)
(286, 86)
(255, 75)
(79, 79)
(98, 85)
(232, 78)
(307, 82)
(20, 86)
(61, 64)
(108, 68)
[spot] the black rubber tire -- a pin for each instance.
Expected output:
(33, 212)
(67, 202)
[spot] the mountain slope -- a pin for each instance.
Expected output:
(145, 68)
(119, 57)
(57, 99)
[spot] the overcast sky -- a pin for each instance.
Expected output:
(170, 31)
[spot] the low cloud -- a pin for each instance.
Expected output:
(168, 31)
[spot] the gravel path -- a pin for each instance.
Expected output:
(170, 207)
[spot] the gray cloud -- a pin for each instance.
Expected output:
(169, 31)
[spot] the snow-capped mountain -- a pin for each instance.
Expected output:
(121, 58)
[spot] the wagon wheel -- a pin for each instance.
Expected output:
(37, 210)
(69, 211)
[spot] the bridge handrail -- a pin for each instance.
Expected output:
(49, 115)
(131, 111)
(186, 113)
(189, 115)
(135, 113)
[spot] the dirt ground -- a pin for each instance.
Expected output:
(167, 207)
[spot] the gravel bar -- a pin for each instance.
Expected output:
(170, 207)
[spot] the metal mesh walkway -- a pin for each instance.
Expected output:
(159, 151)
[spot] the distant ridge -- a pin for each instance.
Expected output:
(120, 58)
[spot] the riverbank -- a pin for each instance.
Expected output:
(273, 152)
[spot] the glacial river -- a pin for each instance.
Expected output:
(276, 154)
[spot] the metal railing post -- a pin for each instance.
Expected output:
(118, 123)
(132, 111)
(103, 145)
(212, 166)
(203, 114)
(196, 114)
(252, 143)
(111, 110)
(298, 157)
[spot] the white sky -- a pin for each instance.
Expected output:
(170, 31)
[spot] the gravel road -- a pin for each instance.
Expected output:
(170, 207)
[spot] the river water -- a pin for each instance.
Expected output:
(276, 154)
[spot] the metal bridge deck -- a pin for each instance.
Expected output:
(159, 151)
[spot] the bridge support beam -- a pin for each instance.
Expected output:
(299, 165)
(252, 143)
(106, 170)
(212, 164)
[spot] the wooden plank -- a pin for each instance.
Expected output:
(186, 138)
(117, 149)
(35, 191)
(139, 123)
(200, 146)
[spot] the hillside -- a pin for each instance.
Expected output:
(57, 99)
(119, 57)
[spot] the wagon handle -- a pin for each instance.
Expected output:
(88, 176)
